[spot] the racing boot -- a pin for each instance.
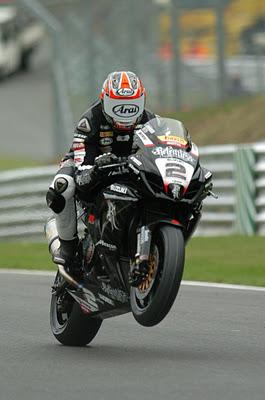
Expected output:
(67, 255)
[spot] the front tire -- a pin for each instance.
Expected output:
(71, 326)
(152, 300)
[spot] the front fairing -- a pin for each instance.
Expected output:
(165, 152)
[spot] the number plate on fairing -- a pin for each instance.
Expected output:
(175, 171)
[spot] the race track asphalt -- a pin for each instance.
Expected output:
(210, 346)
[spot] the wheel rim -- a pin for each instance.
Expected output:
(153, 262)
(59, 319)
(146, 290)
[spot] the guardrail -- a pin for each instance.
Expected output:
(23, 209)
(239, 181)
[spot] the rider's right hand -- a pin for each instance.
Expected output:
(105, 159)
(84, 175)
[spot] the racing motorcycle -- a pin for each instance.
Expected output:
(136, 222)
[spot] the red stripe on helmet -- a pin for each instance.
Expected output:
(125, 81)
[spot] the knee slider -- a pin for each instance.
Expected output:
(60, 185)
(55, 201)
(64, 185)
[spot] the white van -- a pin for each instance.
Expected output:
(19, 36)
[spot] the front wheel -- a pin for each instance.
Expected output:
(69, 324)
(153, 298)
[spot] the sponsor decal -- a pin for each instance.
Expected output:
(108, 245)
(136, 161)
(125, 110)
(135, 170)
(173, 140)
(105, 127)
(125, 92)
(115, 294)
(90, 300)
(144, 138)
(181, 140)
(208, 175)
(83, 125)
(123, 138)
(84, 307)
(106, 134)
(175, 171)
(78, 140)
(79, 135)
(78, 146)
(79, 153)
(148, 129)
(111, 215)
(175, 153)
(88, 303)
(119, 189)
(106, 299)
(106, 141)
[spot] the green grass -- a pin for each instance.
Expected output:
(231, 259)
(7, 163)
(25, 256)
(203, 112)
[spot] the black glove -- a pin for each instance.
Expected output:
(83, 177)
(105, 159)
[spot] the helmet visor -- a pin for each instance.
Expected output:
(124, 111)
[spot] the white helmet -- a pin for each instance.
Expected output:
(123, 99)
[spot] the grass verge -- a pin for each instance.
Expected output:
(7, 163)
(231, 259)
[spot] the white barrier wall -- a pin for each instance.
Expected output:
(239, 181)
(259, 150)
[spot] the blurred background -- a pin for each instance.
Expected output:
(202, 61)
(189, 54)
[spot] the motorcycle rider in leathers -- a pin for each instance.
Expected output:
(104, 132)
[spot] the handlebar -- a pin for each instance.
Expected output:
(114, 165)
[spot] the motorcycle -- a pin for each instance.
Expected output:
(136, 220)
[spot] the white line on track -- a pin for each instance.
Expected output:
(26, 272)
(185, 283)
(223, 286)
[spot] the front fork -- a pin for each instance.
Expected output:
(139, 268)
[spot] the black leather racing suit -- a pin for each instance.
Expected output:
(93, 137)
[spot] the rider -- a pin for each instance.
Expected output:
(104, 130)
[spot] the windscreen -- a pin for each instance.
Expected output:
(167, 127)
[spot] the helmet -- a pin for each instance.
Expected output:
(123, 99)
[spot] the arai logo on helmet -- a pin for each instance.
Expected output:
(125, 92)
(126, 110)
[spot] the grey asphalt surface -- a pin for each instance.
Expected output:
(210, 346)
(26, 118)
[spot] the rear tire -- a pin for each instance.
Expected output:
(152, 301)
(71, 327)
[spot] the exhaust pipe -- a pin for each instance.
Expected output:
(52, 236)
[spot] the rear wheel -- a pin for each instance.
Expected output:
(153, 298)
(69, 324)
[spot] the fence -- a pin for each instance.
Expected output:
(239, 181)
(188, 52)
